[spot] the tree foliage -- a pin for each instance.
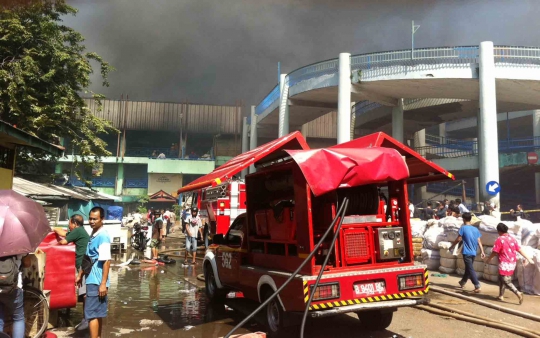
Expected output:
(44, 71)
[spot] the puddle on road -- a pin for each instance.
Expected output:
(147, 300)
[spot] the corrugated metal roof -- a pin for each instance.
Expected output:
(56, 192)
(322, 127)
(164, 116)
(31, 189)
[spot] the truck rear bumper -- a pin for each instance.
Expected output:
(391, 304)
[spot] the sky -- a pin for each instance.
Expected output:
(224, 51)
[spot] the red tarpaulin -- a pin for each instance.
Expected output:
(266, 152)
(331, 168)
(59, 272)
(420, 169)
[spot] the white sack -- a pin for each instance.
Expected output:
(448, 263)
(447, 254)
(427, 254)
(432, 264)
(491, 278)
(431, 237)
(418, 228)
(444, 245)
(460, 271)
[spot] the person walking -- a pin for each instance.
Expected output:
(78, 235)
(98, 256)
(12, 293)
(506, 247)
(193, 225)
(157, 236)
(470, 236)
(429, 213)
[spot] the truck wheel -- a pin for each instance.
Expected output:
(274, 315)
(375, 320)
(213, 293)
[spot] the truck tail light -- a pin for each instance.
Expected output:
(326, 291)
(222, 205)
(411, 281)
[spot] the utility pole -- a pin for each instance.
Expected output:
(414, 28)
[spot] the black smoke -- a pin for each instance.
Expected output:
(218, 52)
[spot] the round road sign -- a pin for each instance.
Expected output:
(532, 158)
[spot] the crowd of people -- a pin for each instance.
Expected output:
(456, 208)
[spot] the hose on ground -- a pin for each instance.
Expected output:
(472, 315)
(483, 322)
(293, 275)
(308, 304)
(487, 304)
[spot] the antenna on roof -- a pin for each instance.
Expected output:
(414, 28)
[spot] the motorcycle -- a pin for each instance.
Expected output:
(139, 239)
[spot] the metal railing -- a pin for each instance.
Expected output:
(136, 182)
(446, 147)
(268, 100)
(97, 182)
(169, 154)
(440, 55)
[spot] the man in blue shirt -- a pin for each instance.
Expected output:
(470, 236)
(97, 282)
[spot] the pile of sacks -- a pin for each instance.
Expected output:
(488, 229)
(431, 258)
(448, 259)
(478, 264)
(418, 228)
(530, 234)
(528, 275)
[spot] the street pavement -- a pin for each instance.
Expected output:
(169, 301)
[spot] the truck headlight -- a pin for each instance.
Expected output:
(414, 281)
(326, 291)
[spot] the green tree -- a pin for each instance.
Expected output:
(44, 70)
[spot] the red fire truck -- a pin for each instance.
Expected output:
(293, 198)
(221, 195)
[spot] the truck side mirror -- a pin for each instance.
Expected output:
(218, 239)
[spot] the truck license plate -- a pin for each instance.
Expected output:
(370, 288)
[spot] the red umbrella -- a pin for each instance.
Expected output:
(23, 224)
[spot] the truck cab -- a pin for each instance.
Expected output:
(292, 200)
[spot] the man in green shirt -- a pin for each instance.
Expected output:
(78, 235)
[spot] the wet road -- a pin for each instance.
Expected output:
(168, 301)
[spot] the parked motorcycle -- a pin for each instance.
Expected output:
(139, 238)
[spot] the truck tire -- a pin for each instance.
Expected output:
(274, 315)
(213, 293)
(375, 320)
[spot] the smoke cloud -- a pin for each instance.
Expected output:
(218, 52)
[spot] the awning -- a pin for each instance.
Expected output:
(12, 135)
(420, 169)
(267, 152)
(162, 196)
(330, 168)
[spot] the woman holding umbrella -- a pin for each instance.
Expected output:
(23, 225)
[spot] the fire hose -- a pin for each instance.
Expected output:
(345, 205)
(339, 215)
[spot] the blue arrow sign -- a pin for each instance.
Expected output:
(493, 188)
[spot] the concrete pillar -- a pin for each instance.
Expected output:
(253, 136)
(344, 99)
(477, 192)
(283, 106)
(245, 140)
(536, 134)
(488, 147)
(419, 142)
(119, 179)
(353, 119)
(442, 132)
(397, 121)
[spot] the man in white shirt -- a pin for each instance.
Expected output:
(462, 208)
(193, 225)
(411, 209)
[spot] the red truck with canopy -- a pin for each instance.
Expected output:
(298, 196)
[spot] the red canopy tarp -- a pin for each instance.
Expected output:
(328, 169)
(267, 152)
(59, 272)
(420, 169)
